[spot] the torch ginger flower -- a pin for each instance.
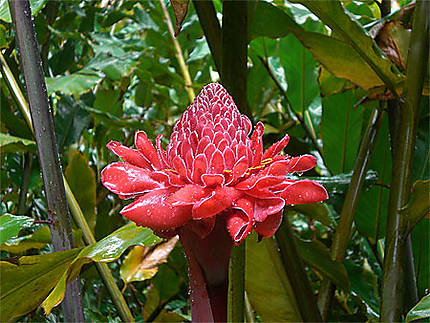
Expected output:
(212, 185)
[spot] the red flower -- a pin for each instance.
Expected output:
(210, 167)
(212, 185)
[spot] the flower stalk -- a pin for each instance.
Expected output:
(41, 116)
(396, 234)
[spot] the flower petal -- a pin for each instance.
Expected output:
(302, 163)
(200, 165)
(128, 181)
(239, 226)
(129, 155)
(147, 148)
(213, 180)
(187, 195)
(267, 207)
(150, 210)
(257, 144)
(268, 227)
(220, 199)
(276, 148)
(304, 192)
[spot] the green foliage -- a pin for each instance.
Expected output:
(111, 69)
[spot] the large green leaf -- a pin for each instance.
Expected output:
(420, 311)
(36, 6)
(28, 280)
(317, 255)
(106, 250)
(82, 181)
(340, 131)
(300, 70)
(11, 144)
(10, 225)
(351, 32)
(38, 239)
(269, 291)
(419, 202)
(75, 83)
(371, 214)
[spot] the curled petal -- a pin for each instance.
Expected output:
(187, 195)
(240, 222)
(129, 155)
(127, 180)
(150, 210)
(239, 169)
(304, 192)
(267, 207)
(302, 163)
(276, 148)
(146, 148)
(268, 227)
(220, 199)
(161, 152)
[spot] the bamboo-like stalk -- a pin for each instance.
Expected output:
(41, 115)
(343, 230)
(178, 53)
(75, 209)
(234, 78)
(295, 270)
(395, 246)
(210, 25)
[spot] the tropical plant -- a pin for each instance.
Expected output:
(347, 81)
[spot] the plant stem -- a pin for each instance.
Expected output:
(395, 247)
(41, 115)
(27, 161)
(234, 72)
(234, 68)
(295, 271)
(311, 134)
(343, 230)
(178, 54)
(75, 209)
(210, 25)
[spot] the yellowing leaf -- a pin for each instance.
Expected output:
(142, 262)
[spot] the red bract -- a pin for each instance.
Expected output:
(210, 167)
(212, 185)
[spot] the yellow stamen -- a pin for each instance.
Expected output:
(170, 170)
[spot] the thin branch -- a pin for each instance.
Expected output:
(311, 134)
(44, 130)
(396, 237)
(22, 201)
(178, 53)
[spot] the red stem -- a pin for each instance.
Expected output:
(208, 260)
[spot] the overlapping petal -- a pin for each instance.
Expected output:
(211, 168)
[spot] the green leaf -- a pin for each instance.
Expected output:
(301, 72)
(270, 21)
(35, 5)
(82, 181)
(200, 51)
(340, 131)
(106, 250)
(351, 32)
(75, 83)
(371, 214)
(11, 144)
(273, 299)
(29, 281)
(10, 225)
(420, 311)
(316, 211)
(36, 240)
(167, 283)
(329, 84)
(419, 203)
(317, 255)
(70, 120)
